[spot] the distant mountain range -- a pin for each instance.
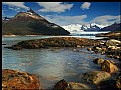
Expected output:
(113, 27)
(30, 23)
(92, 27)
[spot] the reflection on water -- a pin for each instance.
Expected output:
(51, 65)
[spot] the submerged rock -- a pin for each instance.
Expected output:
(108, 66)
(13, 79)
(96, 76)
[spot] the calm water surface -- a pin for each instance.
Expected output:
(52, 64)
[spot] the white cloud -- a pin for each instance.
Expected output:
(66, 20)
(16, 4)
(54, 6)
(85, 5)
(106, 19)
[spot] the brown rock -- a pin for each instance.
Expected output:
(96, 77)
(13, 79)
(118, 82)
(108, 66)
(89, 49)
(78, 86)
(98, 61)
(61, 85)
(56, 42)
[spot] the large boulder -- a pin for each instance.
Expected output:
(113, 42)
(98, 61)
(96, 77)
(13, 79)
(108, 66)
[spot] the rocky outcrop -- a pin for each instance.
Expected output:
(13, 79)
(112, 48)
(108, 66)
(55, 42)
(96, 77)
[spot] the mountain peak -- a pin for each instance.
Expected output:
(29, 14)
(30, 10)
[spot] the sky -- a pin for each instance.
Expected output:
(66, 13)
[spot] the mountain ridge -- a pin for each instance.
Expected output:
(84, 27)
(30, 23)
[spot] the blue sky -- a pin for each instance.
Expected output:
(65, 13)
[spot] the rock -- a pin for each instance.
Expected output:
(111, 56)
(98, 48)
(113, 42)
(78, 46)
(103, 52)
(55, 42)
(116, 57)
(118, 82)
(17, 48)
(61, 85)
(107, 84)
(78, 86)
(96, 76)
(108, 66)
(98, 61)
(13, 79)
(89, 49)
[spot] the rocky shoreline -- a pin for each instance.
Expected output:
(111, 35)
(102, 79)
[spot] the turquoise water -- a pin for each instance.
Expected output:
(52, 64)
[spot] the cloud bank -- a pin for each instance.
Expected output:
(16, 4)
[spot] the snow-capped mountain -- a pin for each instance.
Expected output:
(86, 27)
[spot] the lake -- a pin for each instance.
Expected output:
(52, 64)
